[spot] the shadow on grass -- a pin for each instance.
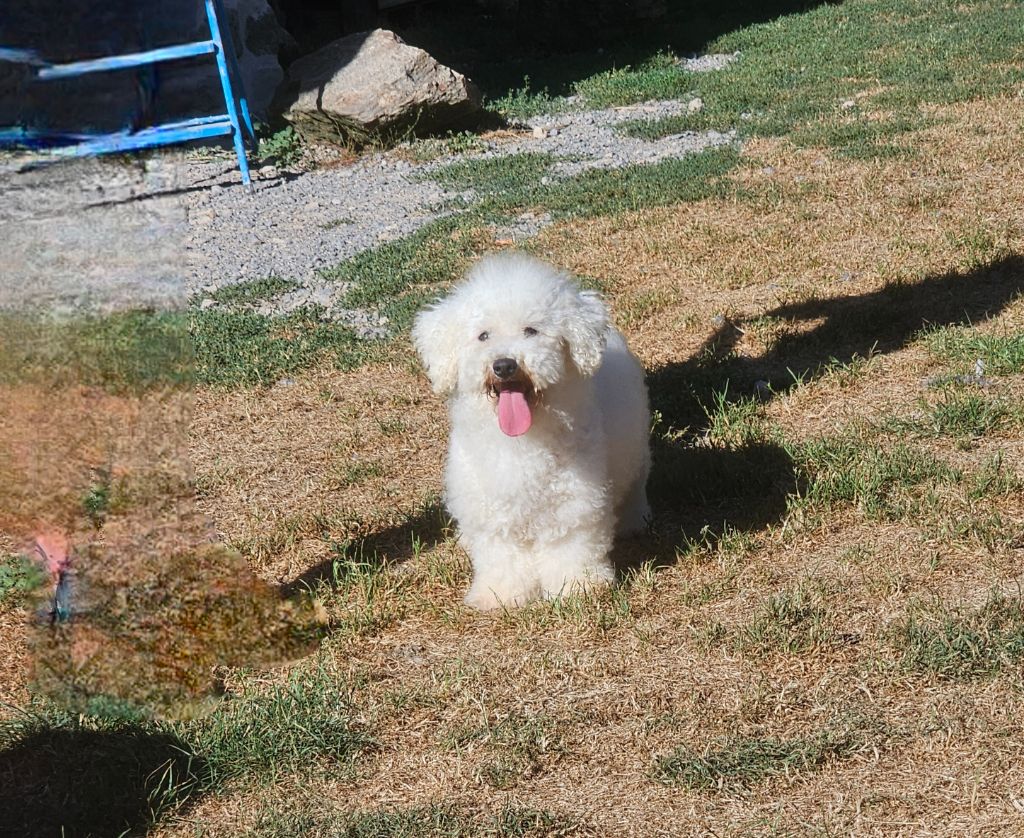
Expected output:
(78, 782)
(746, 487)
(699, 490)
(853, 327)
(391, 546)
(556, 43)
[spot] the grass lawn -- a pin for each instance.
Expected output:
(825, 633)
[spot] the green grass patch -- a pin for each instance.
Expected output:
(239, 348)
(362, 593)
(524, 102)
(858, 138)
(958, 414)
(743, 761)
(128, 353)
(234, 349)
(735, 423)
(301, 726)
(993, 479)
(596, 192)
(125, 353)
(963, 346)
(790, 622)
(399, 277)
(96, 501)
(879, 477)
(692, 177)
(659, 77)
(509, 185)
(360, 472)
(957, 643)
(18, 576)
(254, 291)
(884, 58)
(495, 175)
(434, 148)
(726, 547)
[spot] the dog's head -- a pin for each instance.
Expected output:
(513, 329)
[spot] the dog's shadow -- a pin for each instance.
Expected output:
(699, 491)
(427, 526)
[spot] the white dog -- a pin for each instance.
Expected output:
(549, 452)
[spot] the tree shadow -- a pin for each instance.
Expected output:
(698, 490)
(850, 327)
(556, 43)
(78, 782)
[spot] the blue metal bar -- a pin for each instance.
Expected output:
(14, 55)
(232, 56)
(125, 141)
(236, 122)
(26, 136)
(188, 123)
(120, 62)
(229, 96)
(18, 136)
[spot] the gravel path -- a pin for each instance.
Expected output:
(294, 226)
(179, 226)
(92, 235)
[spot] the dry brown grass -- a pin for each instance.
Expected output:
(809, 227)
(565, 707)
(598, 689)
(332, 457)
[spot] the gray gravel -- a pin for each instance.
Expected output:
(708, 63)
(179, 226)
(589, 140)
(91, 235)
(296, 225)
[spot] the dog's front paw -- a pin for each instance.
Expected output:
(589, 581)
(481, 600)
(487, 597)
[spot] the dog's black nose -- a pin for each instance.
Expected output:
(505, 367)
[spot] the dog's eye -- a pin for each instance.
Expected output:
(483, 336)
(529, 331)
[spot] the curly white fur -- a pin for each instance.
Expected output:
(537, 511)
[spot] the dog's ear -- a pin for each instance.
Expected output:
(434, 335)
(585, 328)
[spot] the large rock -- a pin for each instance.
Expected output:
(374, 85)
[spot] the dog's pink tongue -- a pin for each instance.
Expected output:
(514, 416)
